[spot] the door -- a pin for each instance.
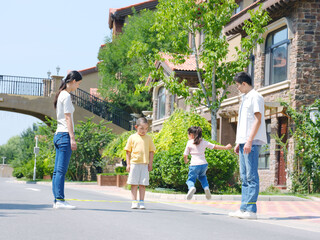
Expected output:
(282, 130)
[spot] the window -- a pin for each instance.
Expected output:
(264, 155)
(172, 103)
(251, 68)
(161, 103)
(240, 7)
(276, 56)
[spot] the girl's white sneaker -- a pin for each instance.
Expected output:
(208, 194)
(190, 193)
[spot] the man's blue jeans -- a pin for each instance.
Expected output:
(62, 144)
(197, 171)
(250, 178)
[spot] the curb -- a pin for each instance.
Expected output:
(166, 196)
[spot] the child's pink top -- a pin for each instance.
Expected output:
(197, 151)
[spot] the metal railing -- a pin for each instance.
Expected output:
(102, 108)
(25, 85)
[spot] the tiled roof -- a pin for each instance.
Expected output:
(188, 65)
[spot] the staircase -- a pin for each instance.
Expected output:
(102, 109)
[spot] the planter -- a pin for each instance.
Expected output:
(118, 180)
(122, 180)
(47, 177)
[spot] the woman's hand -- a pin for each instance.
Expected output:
(73, 145)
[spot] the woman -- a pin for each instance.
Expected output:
(64, 140)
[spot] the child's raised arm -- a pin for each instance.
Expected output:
(218, 147)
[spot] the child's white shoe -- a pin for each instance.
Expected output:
(134, 205)
(190, 193)
(207, 192)
(141, 205)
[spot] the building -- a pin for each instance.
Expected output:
(286, 66)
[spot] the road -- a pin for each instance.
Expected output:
(26, 213)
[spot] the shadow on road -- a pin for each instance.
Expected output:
(18, 206)
(291, 218)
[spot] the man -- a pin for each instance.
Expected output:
(251, 134)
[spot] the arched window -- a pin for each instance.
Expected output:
(161, 103)
(276, 56)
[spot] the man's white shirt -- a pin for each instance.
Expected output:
(252, 102)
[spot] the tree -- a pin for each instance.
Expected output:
(91, 139)
(175, 20)
(119, 72)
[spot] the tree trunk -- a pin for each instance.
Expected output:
(214, 134)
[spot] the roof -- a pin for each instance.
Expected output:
(237, 21)
(188, 65)
(120, 13)
(89, 70)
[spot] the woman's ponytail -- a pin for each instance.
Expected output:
(73, 75)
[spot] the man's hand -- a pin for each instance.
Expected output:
(236, 149)
(247, 147)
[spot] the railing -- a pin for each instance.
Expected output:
(102, 108)
(25, 85)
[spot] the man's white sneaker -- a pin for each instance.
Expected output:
(141, 205)
(237, 213)
(63, 205)
(208, 194)
(134, 205)
(248, 215)
(190, 193)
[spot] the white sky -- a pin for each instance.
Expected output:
(39, 35)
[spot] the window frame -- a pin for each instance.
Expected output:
(158, 97)
(266, 153)
(268, 80)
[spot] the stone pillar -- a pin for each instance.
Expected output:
(56, 81)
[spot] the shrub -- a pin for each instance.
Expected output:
(169, 169)
(120, 169)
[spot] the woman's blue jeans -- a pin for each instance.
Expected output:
(197, 171)
(250, 178)
(62, 144)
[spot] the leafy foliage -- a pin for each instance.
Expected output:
(306, 169)
(91, 138)
(120, 72)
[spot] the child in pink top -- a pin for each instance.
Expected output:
(196, 146)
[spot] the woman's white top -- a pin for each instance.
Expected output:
(197, 151)
(64, 105)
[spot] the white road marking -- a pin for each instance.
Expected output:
(33, 189)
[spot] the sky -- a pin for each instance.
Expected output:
(37, 36)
